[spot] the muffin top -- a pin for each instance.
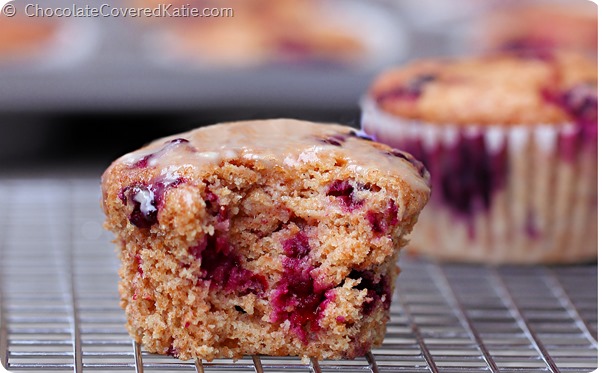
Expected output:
(528, 87)
(270, 143)
(547, 25)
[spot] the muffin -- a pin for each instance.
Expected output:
(510, 141)
(540, 26)
(275, 237)
(23, 38)
(263, 32)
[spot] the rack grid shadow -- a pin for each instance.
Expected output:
(59, 306)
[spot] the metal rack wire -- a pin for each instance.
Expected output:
(59, 307)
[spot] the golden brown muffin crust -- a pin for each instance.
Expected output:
(504, 89)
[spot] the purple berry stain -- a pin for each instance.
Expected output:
(214, 208)
(297, 298)
(172, 351)
(336, 140)
(345, 192)
(531, 226)
(168, 146)
(211, 198)
(361, 135)
(464, 175)
(581, 104)
(138, 261)
(144, 212)
(419, 166)
(468, 175)
(410, 91)
(222, 267)
(294, 48)
(379, 291)
(530, 48)
(147, 199)
(380, 222)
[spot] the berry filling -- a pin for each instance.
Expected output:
(294, 48)
(412, 90)
(530, 48)
(172, 351)
(297, 297)
(467, 175)
(531, 226)
(361, 135)
(150, 159)
(216, 210)
(581, 103)
(212, 203)
(464, 176)
(336, 140)
(138, 261)
(222, 268)
(361, 349)
(379, 291)
(527, 44)
(381, 222)
(345, 192)
(147, 199)
(419, 166)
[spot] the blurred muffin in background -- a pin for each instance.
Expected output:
(262, 32)
(510, 141)
(540, 26)
(267, 31)
(24, 38)
(39, 43)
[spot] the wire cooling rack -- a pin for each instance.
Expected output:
(59, 307)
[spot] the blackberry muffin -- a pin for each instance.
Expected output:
(264, 32)
(23, 38)
(538, 27)
(275, 237)
(510, 141)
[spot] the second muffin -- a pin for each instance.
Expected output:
(511, 145)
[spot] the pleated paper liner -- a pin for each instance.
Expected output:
(500, 194)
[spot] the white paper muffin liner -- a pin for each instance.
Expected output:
(536, 204)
